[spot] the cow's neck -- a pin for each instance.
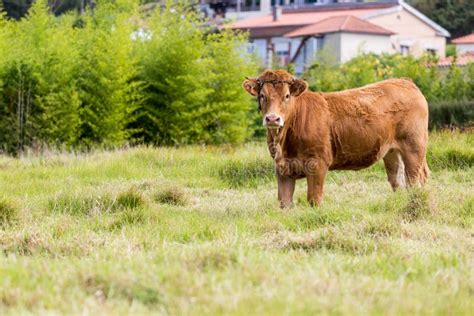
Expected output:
(275, 140)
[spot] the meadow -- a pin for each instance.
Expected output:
(197, 230)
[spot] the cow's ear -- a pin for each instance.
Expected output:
(251, 85)
(297, 87)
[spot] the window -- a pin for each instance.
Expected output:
(431, 51)
(404, 50)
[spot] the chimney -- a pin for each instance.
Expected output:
(277, 12)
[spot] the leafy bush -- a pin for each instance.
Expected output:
(107, 76)
(193, 78)
(38, 99)
(90, 80)
(449, 113)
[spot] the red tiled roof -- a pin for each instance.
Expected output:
(468, 39)
(461, 60)
(298, 18)
(346, 23)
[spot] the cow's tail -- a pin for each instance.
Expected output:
(425, 172)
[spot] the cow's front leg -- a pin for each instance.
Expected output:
(286, 188)
(315, 178)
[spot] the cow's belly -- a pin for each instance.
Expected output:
(360, 160)
(360, 146)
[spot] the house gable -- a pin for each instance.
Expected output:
(411, 32)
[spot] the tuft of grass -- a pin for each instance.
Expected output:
(242, 173)
(131, 198)
(210, 259)
(130, 216)
(104, 288)
(312, 218)
(172, 195)
(382, 226)
(95, 204)
(86, 204)
(340, 239)
(418, 205)
(8, 212)
(25, 244)
(411, 204)
(467, 211)
(333, 240)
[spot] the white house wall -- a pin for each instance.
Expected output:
(260, 48)
(410, 31)
(353, 44)
(332, 44)
(463, 48)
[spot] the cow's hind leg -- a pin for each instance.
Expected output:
(395, 169)
(414, 157)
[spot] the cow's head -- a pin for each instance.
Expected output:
(275, 91)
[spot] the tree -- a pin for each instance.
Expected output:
(17, 9)
(457, 16)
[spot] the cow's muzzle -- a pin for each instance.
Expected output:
(273, 120)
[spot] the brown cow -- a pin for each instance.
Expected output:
(309, 133)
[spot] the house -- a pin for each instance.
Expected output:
(235, 9)
(464, 44)
(461, 60)
(345, 36)
(295, 33)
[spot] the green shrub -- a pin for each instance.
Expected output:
(38, 97)
(86, 81)
(107, 70)
(451, 113)
(193, 78)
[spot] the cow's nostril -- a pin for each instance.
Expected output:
(267, 119)
(277, 119)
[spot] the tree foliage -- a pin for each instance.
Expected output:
(193, 81)
(112, 76)
(457, 16)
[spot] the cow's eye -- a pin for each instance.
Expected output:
(287, 96)
(262, 97)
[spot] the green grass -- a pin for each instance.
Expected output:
(197, 230)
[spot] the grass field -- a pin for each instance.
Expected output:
(197, 230)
